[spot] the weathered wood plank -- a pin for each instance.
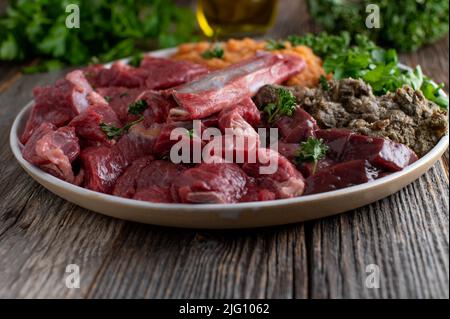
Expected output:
(406, 235)
(170, 263)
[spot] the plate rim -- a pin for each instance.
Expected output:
(16, 146)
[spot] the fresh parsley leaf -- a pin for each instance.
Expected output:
(285, 105)
(136, 60)
(361, 58)
(275, 45)
(215, 51)
(313, 150)
(434, 93)
(191, 133)
(109, 30)
(324, 83)
(113, 132)
(137, 107)
(107, 98)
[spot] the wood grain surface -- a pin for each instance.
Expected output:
(406, 235)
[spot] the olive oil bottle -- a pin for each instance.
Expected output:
(235, 18)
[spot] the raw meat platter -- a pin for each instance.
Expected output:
(178, 143)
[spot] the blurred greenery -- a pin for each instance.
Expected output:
(405, 24)
(108, 30)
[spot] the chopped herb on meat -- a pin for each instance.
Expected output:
(136, 60)
(113, 132)
(284, 105)
(313, 150)
(137, 107)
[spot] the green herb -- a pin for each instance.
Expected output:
(136, 60)
(405, 25)
(191, 133)
(324, 83)
(113, 132)
(107, 98)
(137, 107)
(285, 105)
(215, 51)
(434, 92)
(124, 94)
(313, 150)
(108, 30)
(360, 58)
(275, 45)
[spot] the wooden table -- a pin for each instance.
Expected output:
(406, 234)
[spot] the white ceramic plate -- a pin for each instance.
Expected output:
(240, 215)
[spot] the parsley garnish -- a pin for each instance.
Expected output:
(136, 60)
(275, 45)
(324, 83)
(214, 52)
(313, 150)
(191, 133)
(137, 107)
(360, 58)
(107, 98)
(285, 105)
(113, 132)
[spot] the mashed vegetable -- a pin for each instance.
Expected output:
(238, 50)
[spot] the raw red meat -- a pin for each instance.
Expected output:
(347, 146)
(126, 183)
(103, 165)
(297, 128)
(189, 136)
(53, 150)
(158, 106)
(148, 180)
(87, 124)
(210, 183)
(275, 173)
(154, 194)
(160, 73)
(59, 103)
(120, 98)
(220, 89)
(240, 139)
(119, 74)
(153, 73)
(340, 176)
(256, 194)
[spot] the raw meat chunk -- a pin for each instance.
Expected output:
(160, 73)
(346, 146)
(103, 165)
(87, 124)
(340, 176)
(58, 104)
(210, 183)
(275, 173)
(297, 128)
(120, 98)
(53, 150)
